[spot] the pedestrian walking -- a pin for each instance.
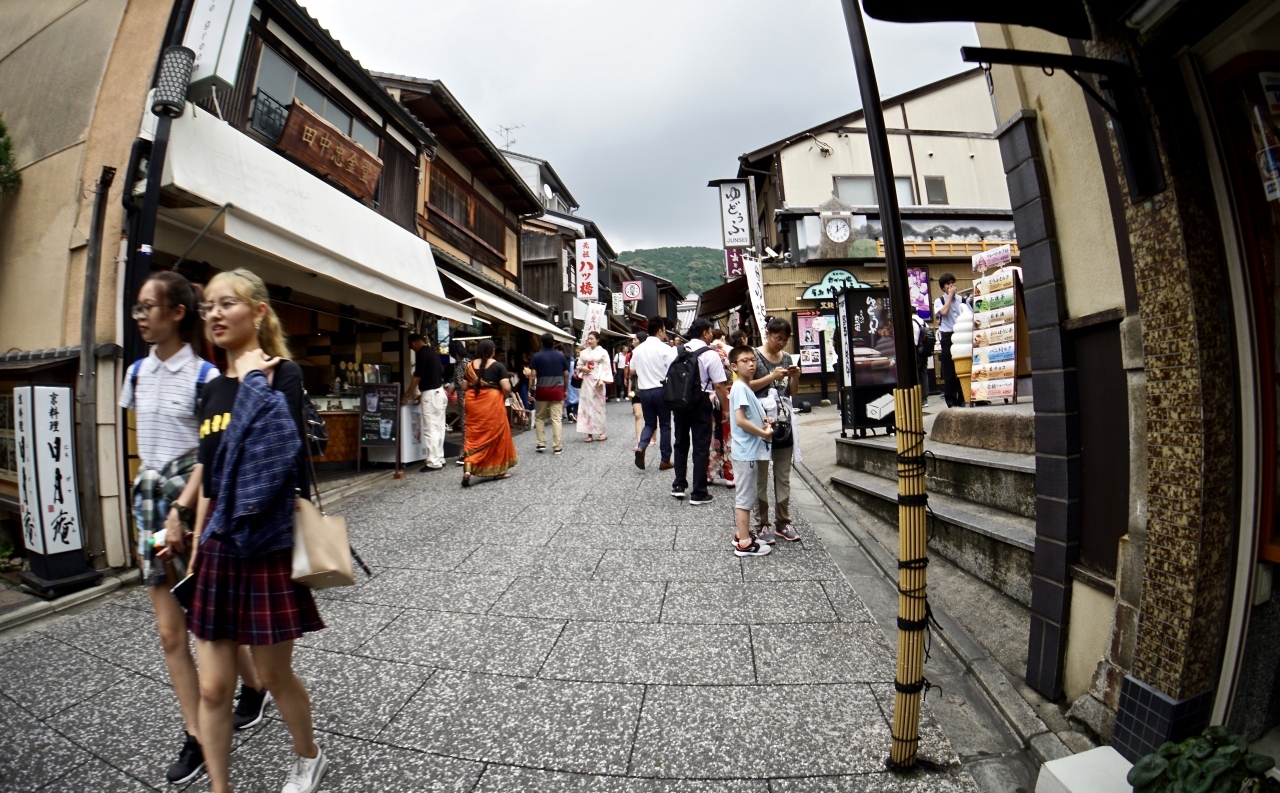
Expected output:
(650, 362)
(458, 383)
(488, 449)
(252, 453)
(633, 390)
(947, 310)
(571, 391)
(620, 359)
(776, 381)
(693, 416)
(163, 390)
(924, 351)
(550, 378)
(427, 387)
(720, 467)
(596, 374)
(752, 433)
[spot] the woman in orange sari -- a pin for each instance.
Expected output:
(488, 449)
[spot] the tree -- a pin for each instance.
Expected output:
(10, 178)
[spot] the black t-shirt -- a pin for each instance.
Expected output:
(427, 369)
(219, 397)
(495, 374)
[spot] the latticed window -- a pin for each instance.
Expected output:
(490, 228)
(449, 197)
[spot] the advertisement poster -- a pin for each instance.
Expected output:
(379, 414)
(995, 257)
(918, 282)
(983, 320)
(988, 390)
(995, 350)
(809, 325)
(871, 337)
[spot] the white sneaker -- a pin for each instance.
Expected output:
(306, 773)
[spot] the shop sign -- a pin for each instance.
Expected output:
(732, 263)
(586, 269)
(319, 145)
(44, 418)
(996, 257)
(617, 304)
(595, 320)
(379, 414)
(633, 290)
(810, 329)
(755, 288)
(831, 284)
(733, 214)
(216, 33)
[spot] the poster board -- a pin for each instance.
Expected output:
(379, 414)
(867, 357)
(1001, 353)
(809, 325)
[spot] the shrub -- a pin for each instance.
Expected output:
(1214, 762)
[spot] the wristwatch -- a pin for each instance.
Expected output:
(185, 514)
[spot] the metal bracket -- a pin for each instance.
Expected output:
(1121, 99)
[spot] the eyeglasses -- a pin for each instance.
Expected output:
(222, 306)
(141, 310)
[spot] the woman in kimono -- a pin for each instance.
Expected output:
(596, 374)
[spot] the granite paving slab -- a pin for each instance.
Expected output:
(349, 624)
(743, 604)
(46, 676)
(32, 754)
(849, 607)
(883, 782)
(97, 776)
(470, 642)
(629, 565)
(101, 626)
(415, 555)
(550, 724)
(420, 589)
(606, 601)
(793, 567)
(506, 779)
(673, 654)
(549, 562)
(489, 533)
(590, 535)
(680, 513)
(353, 695)
(822, 652)
(718, 732)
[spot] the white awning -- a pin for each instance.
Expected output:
(285, 212)
(501, 309)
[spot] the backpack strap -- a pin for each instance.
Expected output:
(133, 377)
(205, 366)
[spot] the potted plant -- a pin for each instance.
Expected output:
(1214, 762)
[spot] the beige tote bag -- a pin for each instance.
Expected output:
(321, 550)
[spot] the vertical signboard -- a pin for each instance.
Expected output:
(47, 469)
(755, 288)
(588, 288)
(735, 214)
(810, 327)
(379, 414)
(867, 356)
(216, 33)
(617, 304)
(732, 263)
(595, 321)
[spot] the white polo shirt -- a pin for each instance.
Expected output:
(165, 405)
(650, 361)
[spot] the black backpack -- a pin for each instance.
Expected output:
(683, 387)
(924, 347)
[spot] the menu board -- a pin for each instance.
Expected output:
(995, 337)
(808, 325)
(379, 414)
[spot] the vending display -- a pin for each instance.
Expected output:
(999, 336)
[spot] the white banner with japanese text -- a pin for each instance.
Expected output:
(734, 214)
(48, 477)
(755, 287)
(596, 320)
(586, 270)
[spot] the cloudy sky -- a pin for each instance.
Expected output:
(637, 103)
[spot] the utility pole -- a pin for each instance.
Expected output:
(908, 420)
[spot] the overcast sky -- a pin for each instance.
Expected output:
(637, 103)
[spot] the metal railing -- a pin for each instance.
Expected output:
(269, 116)
(935, 248)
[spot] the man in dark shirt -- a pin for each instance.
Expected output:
(550, 378)
(428, 384)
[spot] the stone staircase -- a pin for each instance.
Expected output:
(983, 500)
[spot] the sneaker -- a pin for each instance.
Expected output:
(766, 534)
(697, 501)
(640, 459)
(677, 493)
(306, 773)
(190, 762)
(250, 707)
(788, 533)
(459, 461)
(557, 451)
(754, 549)
(540, 449)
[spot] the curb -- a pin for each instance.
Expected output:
(34, 611)
(1020, 716)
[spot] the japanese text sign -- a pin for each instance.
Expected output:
(732, 263)
(632, 290)
(320, 145)
(995, 257)
(617, 304)
(588, 280)
(216, 33)
(755, 288)
(45, 420)
(734, 210)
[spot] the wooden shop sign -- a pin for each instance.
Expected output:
(318, 144)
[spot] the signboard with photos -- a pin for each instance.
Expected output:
(812, 328)
(1001, 352)
(868, 359)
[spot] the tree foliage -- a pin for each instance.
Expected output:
(690, 268)
(10, 178)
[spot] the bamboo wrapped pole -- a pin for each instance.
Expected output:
(908, 417)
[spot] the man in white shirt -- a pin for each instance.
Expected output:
(619, 368)
(693, 426)
(649, 361)
(947, 310)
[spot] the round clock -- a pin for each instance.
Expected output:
(838, 230)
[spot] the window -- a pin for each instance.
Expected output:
(935, 188)
(861, 190)
(490, 228)
(449, 197)
(279, 84)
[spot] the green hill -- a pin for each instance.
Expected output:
(691, 269)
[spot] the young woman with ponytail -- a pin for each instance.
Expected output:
(254, 464)
(163, 389)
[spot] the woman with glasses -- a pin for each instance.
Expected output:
(252, 454)
(163, 390)
(776, 381)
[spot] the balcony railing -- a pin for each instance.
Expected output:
(269, 116)
(934, 248)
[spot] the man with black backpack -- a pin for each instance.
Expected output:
(695, 374)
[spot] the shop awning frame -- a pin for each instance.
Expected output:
(487, 302)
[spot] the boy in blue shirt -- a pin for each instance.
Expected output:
(752, 432)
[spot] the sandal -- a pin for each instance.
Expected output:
(466, 480)
(589, 439)
(603, 438)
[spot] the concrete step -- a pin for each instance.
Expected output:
(334, 490)
(994, 546)
(1003, 480)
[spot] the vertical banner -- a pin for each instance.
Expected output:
(216, 33)
(442, 336)
(586, 269)
(918, 282)
(595, 321)
(810, 325)
(755, 288)
(732, 263)
(566, 272)
(617, 304)
(47, 486)
(734, 211)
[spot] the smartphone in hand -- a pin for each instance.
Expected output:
(185, 591)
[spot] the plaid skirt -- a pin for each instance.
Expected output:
(249, 600)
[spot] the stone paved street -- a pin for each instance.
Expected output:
(573, 628)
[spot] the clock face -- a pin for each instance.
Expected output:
(838, 229)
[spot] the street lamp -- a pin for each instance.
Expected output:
(909, 683)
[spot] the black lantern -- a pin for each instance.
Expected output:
(170, 96)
